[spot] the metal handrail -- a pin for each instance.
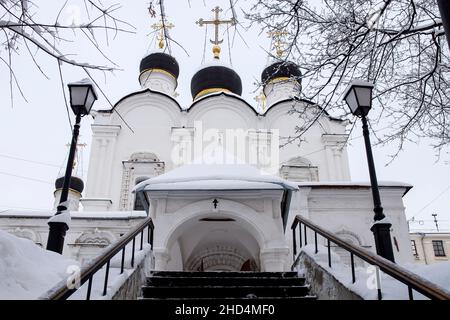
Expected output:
(411, 280)
(61, 291)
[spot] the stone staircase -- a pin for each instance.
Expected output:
(191, 287)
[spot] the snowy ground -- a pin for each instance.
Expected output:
(27, 271)
(366, 280)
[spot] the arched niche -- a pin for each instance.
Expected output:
(351, 238)
(140, 166)
(214, 243)
(299, 169)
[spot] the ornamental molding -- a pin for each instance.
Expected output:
(95, 238)
(102, 130)
(26, 233)
(334, 139)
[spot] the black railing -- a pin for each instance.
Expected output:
(62, 291)
(411, 280)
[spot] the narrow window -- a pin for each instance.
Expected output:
(138, 205)
(414, 248)
(438, 247)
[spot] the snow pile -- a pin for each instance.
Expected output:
(366, 276)
(215, 176)
(26, 270)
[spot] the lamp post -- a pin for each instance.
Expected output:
(358, 97)
(82, 97)
(444, 9)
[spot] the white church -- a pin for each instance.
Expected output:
(219, 178)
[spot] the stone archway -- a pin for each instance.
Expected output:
(214, 245)
(213, 242)
(194, 230)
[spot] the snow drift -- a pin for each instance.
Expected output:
(27, 270)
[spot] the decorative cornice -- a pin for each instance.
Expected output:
(333, 139)
(110, 130)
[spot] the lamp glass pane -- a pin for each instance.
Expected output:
(364, 96)
(351, 101)
(78, 95)
(89, 101)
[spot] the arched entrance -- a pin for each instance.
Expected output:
(209, 243)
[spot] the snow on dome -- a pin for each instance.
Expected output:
(215, 176)
(160, 60)
(28, 271)
(214, 77)
(213, 63)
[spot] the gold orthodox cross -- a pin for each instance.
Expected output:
(277, 36)
(216, 22)
(162, 28)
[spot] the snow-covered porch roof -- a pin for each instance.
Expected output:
(218, 177)
(215, 177)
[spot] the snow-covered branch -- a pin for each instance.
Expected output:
(397, 44)
(22, 25)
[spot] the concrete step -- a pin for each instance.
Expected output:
(170, 281)
(217, 301)
(224, 291)
(224, 274)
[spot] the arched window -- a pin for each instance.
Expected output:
(138, 205)
(299, 169)
(139, 167)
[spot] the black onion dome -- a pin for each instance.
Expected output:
(160, 60)
(215, 78)
(282, 69)
(75, 184)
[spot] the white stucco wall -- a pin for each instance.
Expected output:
(347, 210)
(156, 118)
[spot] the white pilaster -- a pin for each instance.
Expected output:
(101, 161)
(335, 151)
(274, 259)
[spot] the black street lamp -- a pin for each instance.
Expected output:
(444, 9)
(358, 97)
(82, 97)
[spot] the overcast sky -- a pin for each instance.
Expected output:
(37, 132)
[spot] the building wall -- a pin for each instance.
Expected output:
(86, 237)
(347, 210)
(424, 247)
(159, 126)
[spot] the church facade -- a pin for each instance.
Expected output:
(222, 181)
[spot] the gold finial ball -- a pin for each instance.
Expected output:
(216, 50)
(279, 52)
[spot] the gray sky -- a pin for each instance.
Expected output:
(38, 131)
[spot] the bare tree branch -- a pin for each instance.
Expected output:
(394, 43)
